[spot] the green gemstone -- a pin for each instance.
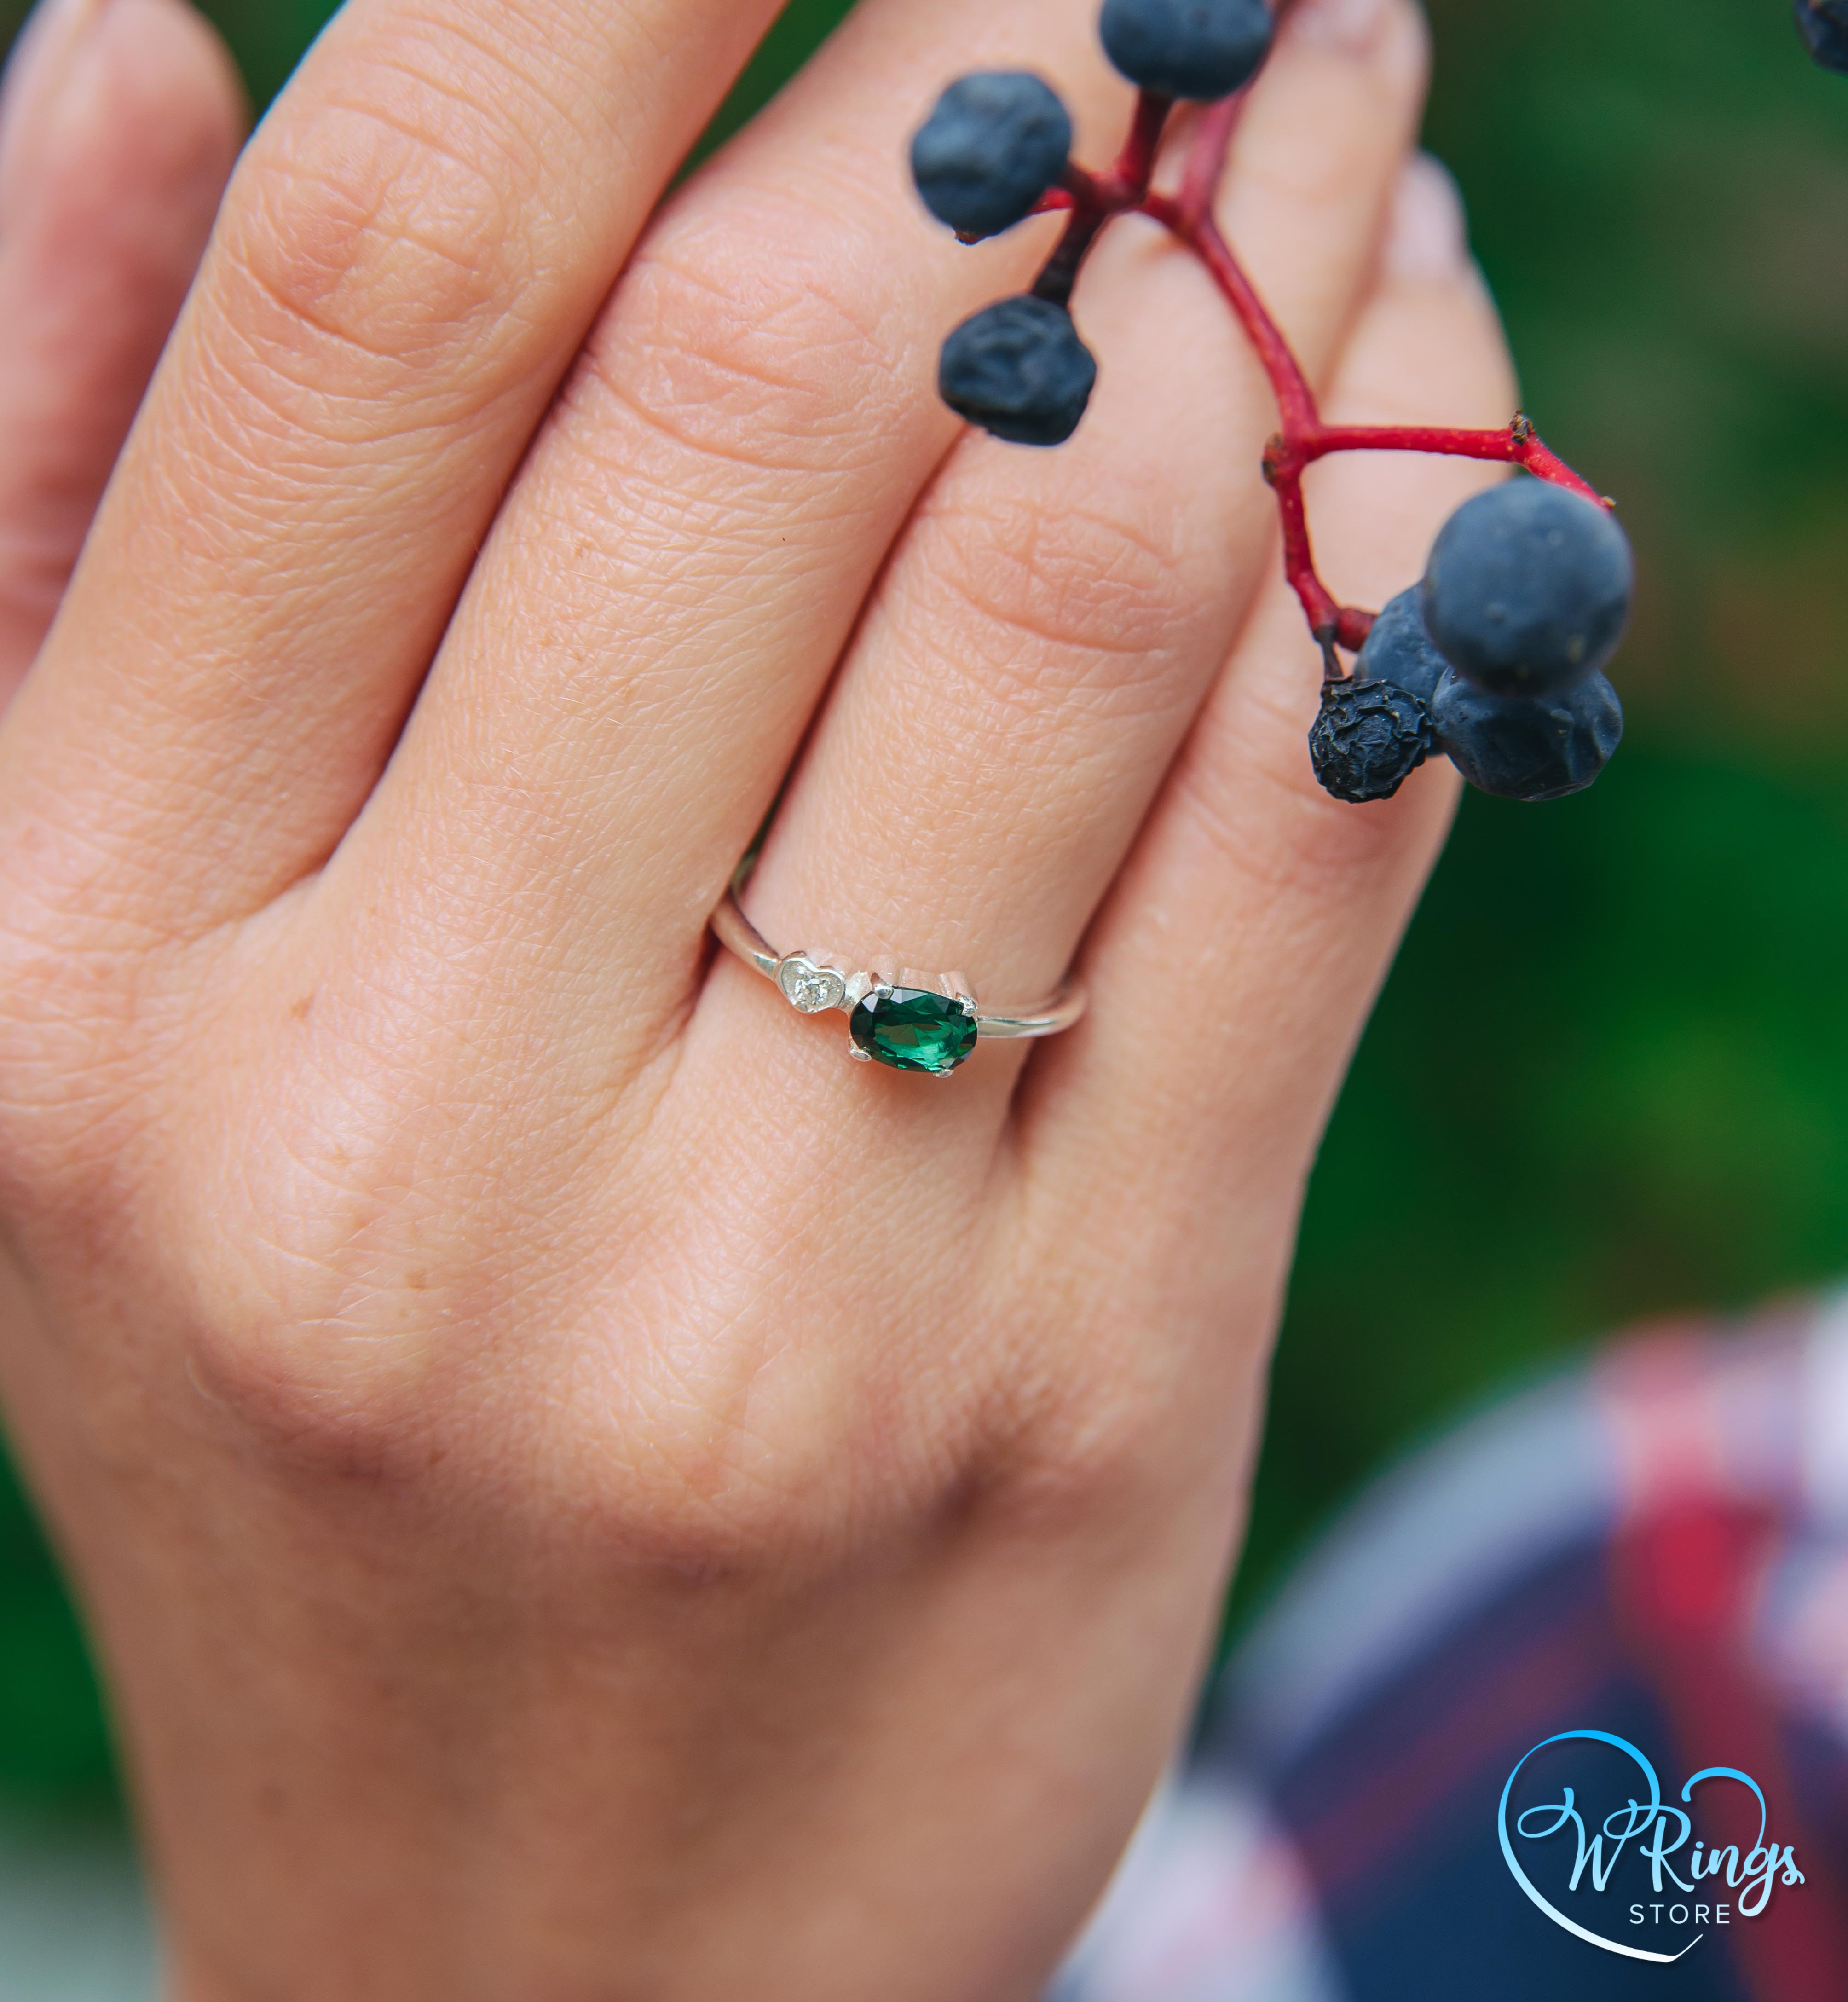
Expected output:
(911, 1030)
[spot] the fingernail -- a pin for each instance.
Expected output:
(42, 60)
(1349, 25)
(1427, 235)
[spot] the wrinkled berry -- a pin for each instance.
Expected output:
(1018, 369)
(1399, 650)
(1368, 739)
(1528, 588)
(1823, 24)
(1528, 746)
(994, 144)
(1187, 48)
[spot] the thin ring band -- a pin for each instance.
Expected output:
(911, 1021)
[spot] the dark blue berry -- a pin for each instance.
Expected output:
(994, 144)
(1018, 369)
(1399, 650)
(1823, 24)
(1188, 48)
(1528, 746)
(1368, 739)
(1528, 588)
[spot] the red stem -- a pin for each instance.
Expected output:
(1094, 201)
(1128, 182)
(1296, 400)
(1518, 444)
(1207, 156)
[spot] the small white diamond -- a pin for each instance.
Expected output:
(810, 989)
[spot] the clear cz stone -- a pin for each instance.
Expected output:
(810, 989)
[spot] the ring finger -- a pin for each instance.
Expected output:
(1052, 621)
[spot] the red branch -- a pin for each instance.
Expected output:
(1094, 201)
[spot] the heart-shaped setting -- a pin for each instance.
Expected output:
(908, 1028)
(809, 988)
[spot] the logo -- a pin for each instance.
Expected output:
(1577, 1852)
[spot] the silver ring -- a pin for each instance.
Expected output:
(909, 1021)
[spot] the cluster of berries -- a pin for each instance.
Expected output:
(1496, 658)
(997, 145)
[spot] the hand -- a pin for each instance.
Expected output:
(582, 1490)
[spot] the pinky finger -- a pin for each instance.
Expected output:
(1236, 961)
(119, 123)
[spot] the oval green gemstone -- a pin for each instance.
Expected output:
(911, 1030)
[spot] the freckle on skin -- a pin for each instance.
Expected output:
(302, 1009)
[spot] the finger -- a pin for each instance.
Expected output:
(120, 122)
(667, 593)
(1242, 947)
(408, 256)
(1052, 621)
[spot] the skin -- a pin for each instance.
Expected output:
(583, 1492)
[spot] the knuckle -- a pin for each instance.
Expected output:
(752, 1462)
(331, 1369)
(701, 1495)
(296, 1404)
(345, 1262)
(772, 363)
(1062, 603)
(377, 238)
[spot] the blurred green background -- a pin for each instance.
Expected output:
(1609, 1077)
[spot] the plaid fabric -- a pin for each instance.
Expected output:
(1656, 1547)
